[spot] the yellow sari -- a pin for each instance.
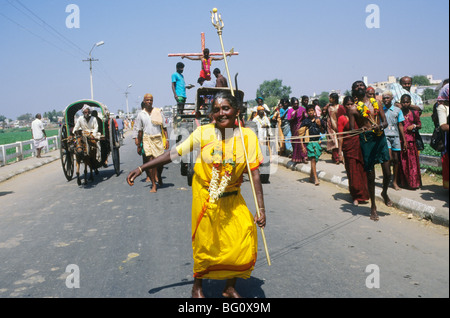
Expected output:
(224, 237)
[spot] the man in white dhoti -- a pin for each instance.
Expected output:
(263, 124)
(88, 126)
(150, 125)
(38, 134)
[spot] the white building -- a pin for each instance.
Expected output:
(433, 81)
(382, 86)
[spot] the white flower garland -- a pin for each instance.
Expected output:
(216, 189)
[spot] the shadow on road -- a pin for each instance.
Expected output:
(247, 288)
(363, 209)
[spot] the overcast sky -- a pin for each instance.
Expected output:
(313, 46)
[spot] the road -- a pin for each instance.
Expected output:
(108, 239)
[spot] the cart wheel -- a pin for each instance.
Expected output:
(115, 145)
(66, 156)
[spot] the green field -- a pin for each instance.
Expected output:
(427, 125)
(12, 135)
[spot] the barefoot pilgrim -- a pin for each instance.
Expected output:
(224, 236)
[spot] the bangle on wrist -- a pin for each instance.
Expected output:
(140, 169)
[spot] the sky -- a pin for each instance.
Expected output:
(312, 46)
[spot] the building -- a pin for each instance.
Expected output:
(380, 87)
(433, 81)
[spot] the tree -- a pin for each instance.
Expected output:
(27, 117)
(429, 94)
(324, 99)
(420, 80)
(272, 91)
(53, 115)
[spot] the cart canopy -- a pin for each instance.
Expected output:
(72, 109)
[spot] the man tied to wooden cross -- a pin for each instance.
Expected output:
(206, 60)
(206, 57)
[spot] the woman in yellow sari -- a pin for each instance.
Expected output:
(224, 237)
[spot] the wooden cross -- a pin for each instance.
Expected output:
(203, 47)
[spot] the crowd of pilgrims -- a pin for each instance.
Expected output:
(291, 116)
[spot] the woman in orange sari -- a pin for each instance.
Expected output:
(224, 237)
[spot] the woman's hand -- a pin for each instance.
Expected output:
(405, 146)
(261, 221)
(133, 175)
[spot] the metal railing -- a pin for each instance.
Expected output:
(22, 150)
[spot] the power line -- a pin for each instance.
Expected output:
(36, 35)
(45, 26)
(55, 33)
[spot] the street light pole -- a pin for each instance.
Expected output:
(90, 64)
(126, 96)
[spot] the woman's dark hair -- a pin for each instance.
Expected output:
(348, 98)
(335, 97)
(284, 101)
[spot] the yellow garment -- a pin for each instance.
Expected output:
(224, 237)
(163, 135)
(153, 145)
(304, 132)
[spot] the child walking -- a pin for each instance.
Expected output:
(314, 126)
